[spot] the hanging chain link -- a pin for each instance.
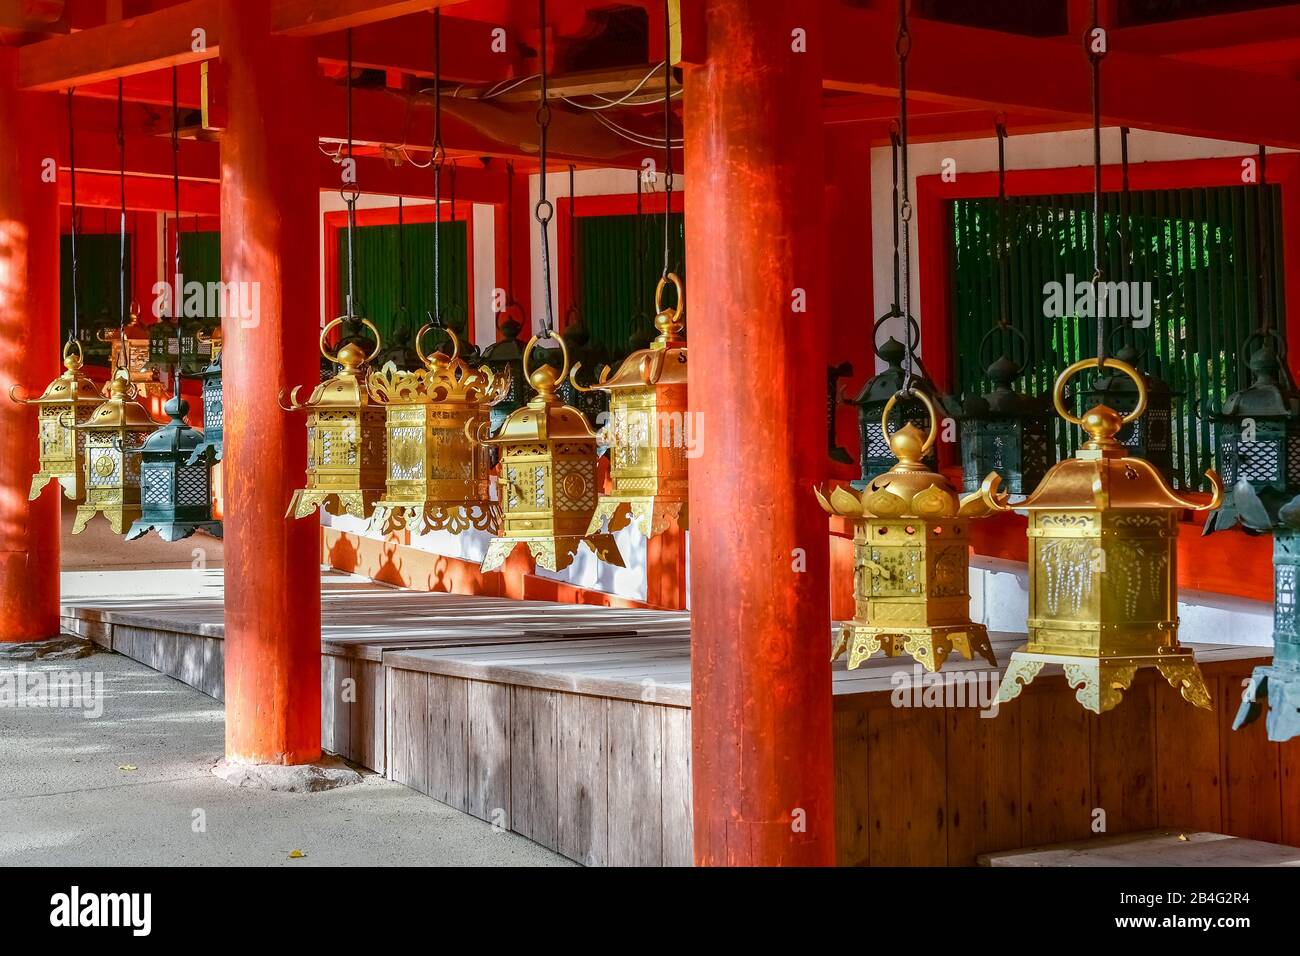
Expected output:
(176, 198)
(1003, 237)
(74, 333)
(439, 156)
(903, 47)
(574, 308)
(544, 211)
(1095, 57)
(122, 301)
(668, 139)
(1264, 239)
(350, 196)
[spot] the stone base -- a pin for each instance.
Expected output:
(61, 648)
(329, 773)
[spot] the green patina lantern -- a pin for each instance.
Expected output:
(1279, 683)
(214, 410)
(1006, 431)
(175, 485)
(875, 454)
(506, 357)
(1150, 436)
(1257, 435)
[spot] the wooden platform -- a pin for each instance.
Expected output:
(571, 725)
(1154, 848)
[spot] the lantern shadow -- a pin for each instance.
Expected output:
(343, 554)
(389, 570)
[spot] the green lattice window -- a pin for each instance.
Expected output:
(1197, 247)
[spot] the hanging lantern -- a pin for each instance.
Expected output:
(592, 402)
(505, 360)
(911, 555)
(1279, 683)
(214, 414)
(175, 492)
(1148, 437)
(134, 340)
(1257, 434)
(548, 476)
(648, 429)
(881, 390)
(1005, 431)
(1103, 582)
(437, 480)
(64, 406)
(346, 456)
(114, 434)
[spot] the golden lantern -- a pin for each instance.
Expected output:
(1103, 578)
(64, 406)
(129, 348)
(346, 455)
(548, 475)
(911, 555)
(649, 429)
(114, 434)
(437, 480)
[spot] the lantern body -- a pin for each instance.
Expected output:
(175, 487)
(911, 559)
(505, 360)
(347, 459)
(437, 479)
(66, 404)
(1007, 433)
(1279, 682)
(547, 486)
(214, 413)
(650, 434)
(132, 351)
(875, 454)
(1103, 582)
(114, 434)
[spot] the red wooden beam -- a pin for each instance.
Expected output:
(972, 67)
(474, 183)
(406, 44)
(144, 193)
(314, 17)
(148, 156)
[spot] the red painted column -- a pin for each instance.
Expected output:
(761, 681)
(29, 353)
(270, 217)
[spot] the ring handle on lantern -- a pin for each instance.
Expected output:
(928, 402)
(1004, 326)
(913, 329)
(1263, 335)
(324, 334)
(675, 315)
(1058, 391)
(455, 343)
(585, 389)
(564, 353)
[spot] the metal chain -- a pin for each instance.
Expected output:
(121, 146)
(638, 234)
(75, 332)
(1125, 207)
(401, 256)
(350, 197)
(1004, 252)
(439, 155)
(903, 47)
(543, 211)
(893, 153)
(176, 198)
(1094, 60)
(668, 137)
(573, 242)
(510, 234)
(1264, 239)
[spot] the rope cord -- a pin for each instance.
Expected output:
(543, 211)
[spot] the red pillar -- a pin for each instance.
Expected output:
(270, 217)
(761, 691)
(29, 352)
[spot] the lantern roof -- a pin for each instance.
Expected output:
(880, 388)
(346, 389)
(120, 410)
(662, 363)
(1109, 381)
(508, 349)
(136, 331)
(1270, 393)
(545, 417)
(1002, 400)
(176, 437)
(73, 385)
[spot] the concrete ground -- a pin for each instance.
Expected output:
(134, 787)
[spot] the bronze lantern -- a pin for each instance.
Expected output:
(114, 434)
(548, 487)
(911, 556)
(1103, 578)
(437, 479)
(129, 349)
(64, 406)
(649, 430)
(346, 450)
